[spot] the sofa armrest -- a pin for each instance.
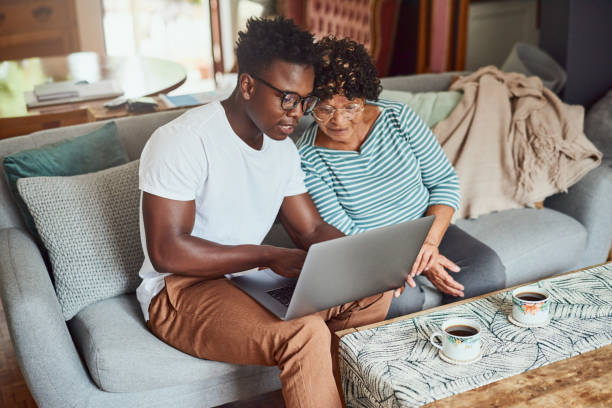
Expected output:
(46, 354)
(588, 201)
(598, 126)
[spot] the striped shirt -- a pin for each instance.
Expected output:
(399, 171)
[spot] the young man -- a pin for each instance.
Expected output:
(213, 181)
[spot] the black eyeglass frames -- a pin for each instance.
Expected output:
(290, 100)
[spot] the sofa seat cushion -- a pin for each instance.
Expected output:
(531, 243)
(122, 355)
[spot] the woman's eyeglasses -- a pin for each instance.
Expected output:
(290, 100)
(323, 113)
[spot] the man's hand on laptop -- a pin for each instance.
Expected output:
(287, 262)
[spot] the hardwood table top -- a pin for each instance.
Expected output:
(580, 381)
(138, 76)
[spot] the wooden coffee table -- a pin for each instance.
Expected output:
(581, 380)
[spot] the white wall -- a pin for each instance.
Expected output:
(494, 27)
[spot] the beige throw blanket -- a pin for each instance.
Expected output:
(512, 142)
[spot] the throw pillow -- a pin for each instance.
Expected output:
(90, 227)
(91, 152)
(432, 107)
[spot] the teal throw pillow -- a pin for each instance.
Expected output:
(94, 151)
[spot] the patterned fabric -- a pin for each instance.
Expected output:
(89, 225)
(399, 171)
(396, 365)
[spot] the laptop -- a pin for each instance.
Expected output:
(340, 270)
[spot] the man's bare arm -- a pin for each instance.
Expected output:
(303, 223)
(172, 248)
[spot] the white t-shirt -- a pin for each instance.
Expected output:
(237, 190)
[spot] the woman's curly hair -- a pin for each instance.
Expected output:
(345, 68)
(266, 40)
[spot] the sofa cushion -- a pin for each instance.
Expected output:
(432, 107)
(531, 243)
(122, 355)
(89, 225)
(94, 151)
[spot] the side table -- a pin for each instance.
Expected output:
(138, 76)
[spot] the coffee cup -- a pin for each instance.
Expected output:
(460, 340)
(530, 305)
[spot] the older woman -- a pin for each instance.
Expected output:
(370, 163)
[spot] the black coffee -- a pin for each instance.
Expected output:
(461, 331)
(531, 296)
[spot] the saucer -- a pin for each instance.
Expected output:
(459, 362)
(514, 322)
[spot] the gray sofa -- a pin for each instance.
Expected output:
(106, 357)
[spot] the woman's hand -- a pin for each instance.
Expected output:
(425, 259)
(441, 279)
(426, 255)
(433, 265)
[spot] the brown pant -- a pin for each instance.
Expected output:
(215, 320)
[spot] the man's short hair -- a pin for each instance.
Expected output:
(266, 40)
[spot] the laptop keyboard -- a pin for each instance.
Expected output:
(283, 295)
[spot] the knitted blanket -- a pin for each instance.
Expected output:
(513, 142)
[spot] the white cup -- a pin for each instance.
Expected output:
(530, 305)
(460, 340)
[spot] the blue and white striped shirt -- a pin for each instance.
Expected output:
(399, 171)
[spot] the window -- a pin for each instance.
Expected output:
(177, 30)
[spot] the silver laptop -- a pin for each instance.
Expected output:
(340, 270)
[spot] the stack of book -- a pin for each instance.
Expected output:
(55, 90)
(70, 91)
